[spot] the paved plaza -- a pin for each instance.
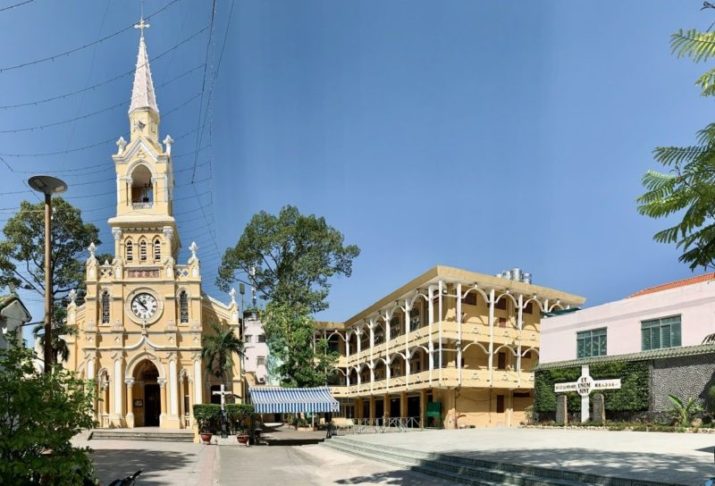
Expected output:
(665, 457)
(676, 458)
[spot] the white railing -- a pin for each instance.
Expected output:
(382, 425)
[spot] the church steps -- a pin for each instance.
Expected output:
(476, 472)
(139, 435)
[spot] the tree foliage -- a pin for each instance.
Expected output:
(39, 415)
(22, 257)
(687, 187)
(293, 256)
(289, 332)
(218, 349)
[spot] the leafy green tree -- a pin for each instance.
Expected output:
(22, 258)
(289, 333)
(688, 185)
(292, 257)
(218, 349)
(39, 415)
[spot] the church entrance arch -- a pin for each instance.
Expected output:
(147, 407)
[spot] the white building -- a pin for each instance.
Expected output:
(256, 348)
(671, 315)
(13, 314)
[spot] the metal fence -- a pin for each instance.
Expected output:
(380, 425)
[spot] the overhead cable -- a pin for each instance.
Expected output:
(53, 57)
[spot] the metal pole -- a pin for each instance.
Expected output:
(48, 284)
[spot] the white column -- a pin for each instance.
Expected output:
(520, 325)
(459, 333)
(430, 321)
(439, 325)
(491, 336)
(198, 391)
(174, 403)
(118, 382)
(90, 369)
(358, 334)
(371, 325)
(407, 309)
(347, 358)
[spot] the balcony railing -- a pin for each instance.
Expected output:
(142, 205)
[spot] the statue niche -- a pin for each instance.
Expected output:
(142, 188)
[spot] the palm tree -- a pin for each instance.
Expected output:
(218, 349)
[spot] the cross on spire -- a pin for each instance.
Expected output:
(141, 25)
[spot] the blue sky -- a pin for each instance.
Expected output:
(483, 135)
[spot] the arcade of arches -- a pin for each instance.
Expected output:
(451, 348)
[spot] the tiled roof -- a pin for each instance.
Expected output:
(663, 353)
(677, 283)
(143, 90)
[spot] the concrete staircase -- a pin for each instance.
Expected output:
(473, 471)
(143, 434)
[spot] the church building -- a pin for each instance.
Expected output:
(139, 329)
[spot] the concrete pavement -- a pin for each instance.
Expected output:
(308, 465)
(677, 458)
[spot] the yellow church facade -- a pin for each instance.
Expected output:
(140, 326)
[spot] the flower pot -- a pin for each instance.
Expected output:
(242, 439)
(206, 437)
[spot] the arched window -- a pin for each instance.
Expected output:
(157, 250)
(183, 307)
(105, 307)
(129, 251)
(142, 188)
(142, 250)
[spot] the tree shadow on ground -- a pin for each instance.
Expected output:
(659, 468)
(114, 464)
(399, 476)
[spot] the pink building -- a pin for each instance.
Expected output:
(676, 314)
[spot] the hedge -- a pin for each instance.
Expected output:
(208, 417)
(632, 396)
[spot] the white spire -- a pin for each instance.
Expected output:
(143, 91)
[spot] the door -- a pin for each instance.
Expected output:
(152, 405)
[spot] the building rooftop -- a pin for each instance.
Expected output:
(466, 277)
(675, 284)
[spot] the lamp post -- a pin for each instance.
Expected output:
(48, 186)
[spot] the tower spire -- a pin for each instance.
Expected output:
(143, 90)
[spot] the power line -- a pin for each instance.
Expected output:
(203, 82)
(18, 4)
(102, 83)
(82, 47)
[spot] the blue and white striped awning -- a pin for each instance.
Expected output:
(274, 399)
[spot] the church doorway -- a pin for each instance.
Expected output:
(147, 395)
(152, 410)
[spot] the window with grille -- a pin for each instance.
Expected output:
(105, 307)
(660, 333)
(183, 307)
(261, 338)
(130, 251)
(157, 250)
(593, 342)
(261, 361)
(142, 250)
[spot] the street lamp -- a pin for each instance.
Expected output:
(48, 186)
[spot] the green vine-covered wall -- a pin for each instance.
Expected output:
(632, 397)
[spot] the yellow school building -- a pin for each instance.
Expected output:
(451, 348)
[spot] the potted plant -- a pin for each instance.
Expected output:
(239, 417)
(206, 420)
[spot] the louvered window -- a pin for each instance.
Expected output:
(105, 307)
(142, 250)
(183, 307)
(157, 250)
(130, 251)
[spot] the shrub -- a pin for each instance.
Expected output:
(40, 415)
(208, 417)
(684, 411)
(631, 397)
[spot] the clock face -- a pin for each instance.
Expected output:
(144, 306)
